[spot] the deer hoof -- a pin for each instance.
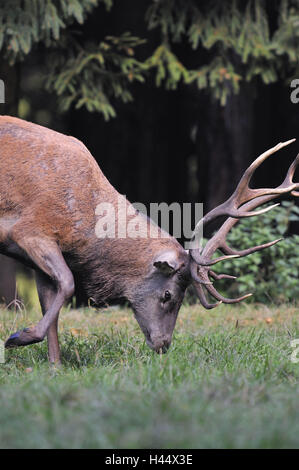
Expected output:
(22, 338)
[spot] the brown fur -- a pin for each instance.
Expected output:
(50, 186)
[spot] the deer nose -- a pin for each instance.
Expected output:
(161, 345)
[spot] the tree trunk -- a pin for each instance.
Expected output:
(224, 146)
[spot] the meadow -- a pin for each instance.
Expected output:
(227, 382)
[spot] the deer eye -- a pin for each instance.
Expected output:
(167, 296)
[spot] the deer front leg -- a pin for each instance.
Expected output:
(48, 259)
(47, 292)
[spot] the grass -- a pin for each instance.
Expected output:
(227, 382)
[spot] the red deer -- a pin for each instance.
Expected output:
(50, 186)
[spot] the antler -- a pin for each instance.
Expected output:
(240, 204)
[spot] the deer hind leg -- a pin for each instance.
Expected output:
(48, 259)
(47, 292)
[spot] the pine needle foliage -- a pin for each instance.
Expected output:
(24, 23)
(230, 41)
(241, 40)
(93, 75)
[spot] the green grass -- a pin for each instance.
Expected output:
(227, 382)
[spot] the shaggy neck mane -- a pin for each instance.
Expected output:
(115, 265)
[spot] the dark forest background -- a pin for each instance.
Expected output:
(173, 110)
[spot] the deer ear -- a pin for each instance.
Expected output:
(164, 267)
(167, 263)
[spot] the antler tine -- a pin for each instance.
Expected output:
(225, 300)
(241, 204)
(287, 185)
(241, 214)
(290, 174)
(246, 178)
(229, 251)
(289, 178)
(201, 295)
(220, 276)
